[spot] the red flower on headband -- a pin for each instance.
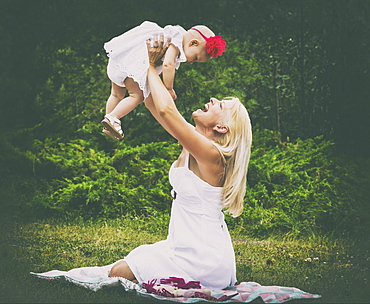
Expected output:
(215, 46)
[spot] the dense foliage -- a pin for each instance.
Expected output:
(302, 186)
(312, 57)
(288, 61)
(293, 187)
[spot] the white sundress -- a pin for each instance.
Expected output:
(128, 55)
(198, 246)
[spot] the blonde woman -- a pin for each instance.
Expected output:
(209, 176)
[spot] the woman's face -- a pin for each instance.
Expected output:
(214, 112)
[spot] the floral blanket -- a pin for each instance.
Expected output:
(176, 289)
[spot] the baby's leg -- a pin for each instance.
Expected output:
(126, 105)
(116, 110)
(116, 95)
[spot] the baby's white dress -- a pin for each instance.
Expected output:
(128, 55)
(198, 246)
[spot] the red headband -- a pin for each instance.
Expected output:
(215, 45)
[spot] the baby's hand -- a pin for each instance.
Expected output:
(173, 94)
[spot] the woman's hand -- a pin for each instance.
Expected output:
(159, 48)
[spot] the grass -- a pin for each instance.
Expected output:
(335, 268)
(326, 266)
(46, 245)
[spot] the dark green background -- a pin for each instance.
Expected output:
(337, 105)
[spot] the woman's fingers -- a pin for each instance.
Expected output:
(158, 49)
(155, 44)
(161, 40)
(159, 43)
(168, 42)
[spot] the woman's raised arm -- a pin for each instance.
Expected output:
(169, 117)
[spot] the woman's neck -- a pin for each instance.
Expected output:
(206, 132)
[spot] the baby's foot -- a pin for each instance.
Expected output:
(113, 125)
(106, 132)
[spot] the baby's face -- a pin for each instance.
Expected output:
(196, 53)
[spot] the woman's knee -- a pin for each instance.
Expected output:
(114, 271)
(121, 269)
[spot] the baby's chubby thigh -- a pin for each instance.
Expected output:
(115, 74)
(134, 90)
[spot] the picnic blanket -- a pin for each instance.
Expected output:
(95, 278)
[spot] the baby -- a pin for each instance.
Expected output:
(128, 65)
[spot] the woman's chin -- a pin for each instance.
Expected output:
(197, 112)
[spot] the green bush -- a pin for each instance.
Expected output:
(293, 187)
(299, 187)
(76, 179)
(17, 182)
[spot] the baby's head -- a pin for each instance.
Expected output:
(200, 44)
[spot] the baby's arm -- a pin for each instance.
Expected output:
(169, 69)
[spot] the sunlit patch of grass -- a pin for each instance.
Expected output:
(66, 245)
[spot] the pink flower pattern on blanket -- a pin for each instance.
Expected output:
(95, 278)
(177, 287)
(244, 292)
(180, 283)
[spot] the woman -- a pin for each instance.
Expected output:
(208, 176)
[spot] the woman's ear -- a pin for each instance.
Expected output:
(194, 42)
(221, 129)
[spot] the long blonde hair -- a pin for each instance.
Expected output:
(235, 147)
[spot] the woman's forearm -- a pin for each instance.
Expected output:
(160, 103)
(149, 104)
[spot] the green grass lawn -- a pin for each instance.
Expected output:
(335, 268)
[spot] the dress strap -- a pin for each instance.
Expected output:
(187, 159)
